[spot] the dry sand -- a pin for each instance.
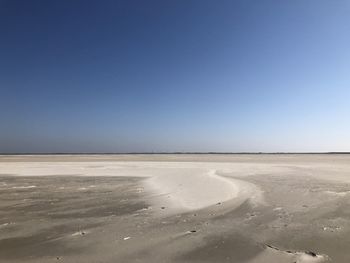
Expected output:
(175, 208)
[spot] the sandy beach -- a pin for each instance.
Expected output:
(175, 208)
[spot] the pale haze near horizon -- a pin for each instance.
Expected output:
(121, 76)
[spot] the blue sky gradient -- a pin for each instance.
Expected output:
(136, 76)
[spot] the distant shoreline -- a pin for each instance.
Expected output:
(171, 153)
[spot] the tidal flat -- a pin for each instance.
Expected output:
(175, 208)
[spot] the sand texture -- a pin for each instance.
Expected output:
(175, 208)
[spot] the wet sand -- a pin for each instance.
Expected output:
(175, 208)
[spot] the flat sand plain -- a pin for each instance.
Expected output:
(175, 208)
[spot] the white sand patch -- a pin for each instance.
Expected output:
(4, 225)
(340, 194)
(305, 258)
(80, 233)
(24, 187)
(274, 254)
(192, 189)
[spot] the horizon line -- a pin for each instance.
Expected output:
(151, 153)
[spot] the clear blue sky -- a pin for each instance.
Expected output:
(126, 76)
